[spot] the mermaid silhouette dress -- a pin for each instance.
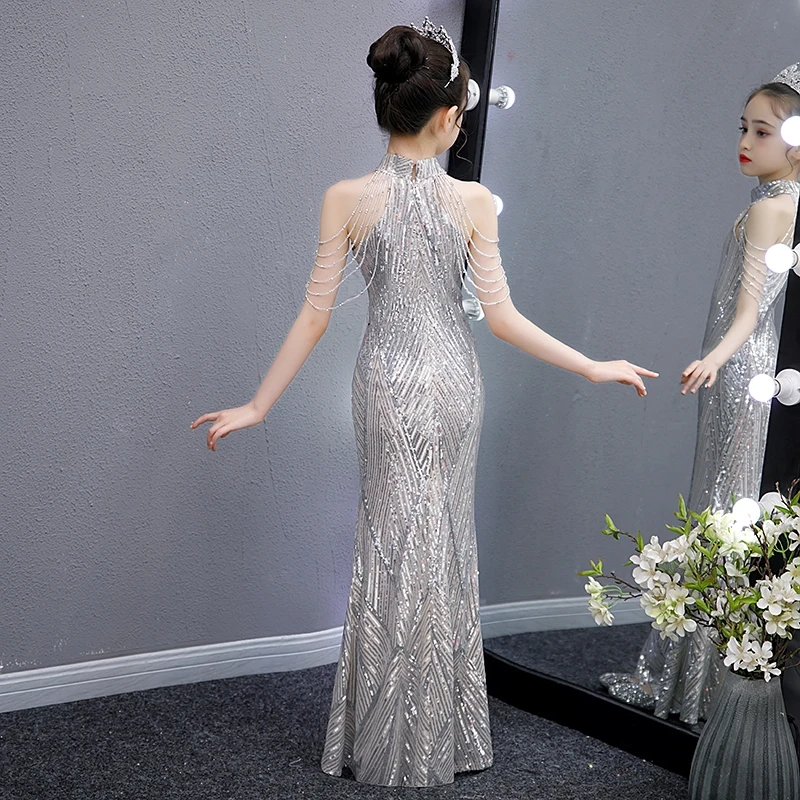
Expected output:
(409, 704)
(681, 677)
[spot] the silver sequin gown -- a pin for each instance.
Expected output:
(409, 705)
(729, 457)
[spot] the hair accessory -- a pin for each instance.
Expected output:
(790, 76)
(441, 36)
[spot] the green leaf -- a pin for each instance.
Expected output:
(675, 529)
(681, 507)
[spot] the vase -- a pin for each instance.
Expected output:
(746, 750)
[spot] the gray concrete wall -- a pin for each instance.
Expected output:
(619, 172)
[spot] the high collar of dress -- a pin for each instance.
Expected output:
(773, 189)
(404, 167)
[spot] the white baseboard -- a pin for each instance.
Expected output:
(561, 613)
(63, 684)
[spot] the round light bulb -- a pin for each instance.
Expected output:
(472, 307)
(770, 500)
(763, 388)
(498, 204)
(789, 382)
(510, 97)
(790, 131)
(473, 94)
(780, 257)
(746, 511)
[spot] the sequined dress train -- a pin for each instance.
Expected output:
(409, 705)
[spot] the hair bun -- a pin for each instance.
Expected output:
(397, 55)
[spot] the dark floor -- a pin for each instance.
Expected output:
(260, 737)
(578, 655)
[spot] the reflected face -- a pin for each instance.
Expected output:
(762, 151)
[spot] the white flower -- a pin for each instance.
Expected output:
(600, 612)
(680, 627)
(751, 656)
(780, 603)
(793, 569)
(735, 569)
(735, 652)
(666, 603)
(594, 588)
(653, 551)
(736, 541)
(772, 530)
(646, 572)
(678, 549)
(718, 524)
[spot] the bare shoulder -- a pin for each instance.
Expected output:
(339, 202)
(778, 210)
(472, 192)
(479, 203)
(348, 191)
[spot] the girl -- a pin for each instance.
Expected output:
(740, 342)
(409, 703)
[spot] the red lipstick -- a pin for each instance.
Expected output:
(743, 159)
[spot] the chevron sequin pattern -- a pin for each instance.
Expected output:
(409, 704)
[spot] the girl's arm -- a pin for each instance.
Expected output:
(769, 222)
(505, 322)
(307, 330)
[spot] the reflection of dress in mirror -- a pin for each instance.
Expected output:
(740, 342)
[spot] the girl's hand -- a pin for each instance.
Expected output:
(697, 372)
(622, 372)
(231, 419)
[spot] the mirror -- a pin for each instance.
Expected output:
(618, 171)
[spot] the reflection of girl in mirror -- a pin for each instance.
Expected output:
(409, 702)
(740, 342)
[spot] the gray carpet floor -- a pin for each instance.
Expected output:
(260, 738)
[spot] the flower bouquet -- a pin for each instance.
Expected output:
(740, 579)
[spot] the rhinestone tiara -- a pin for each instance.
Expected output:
(790, 76)
(440, 35)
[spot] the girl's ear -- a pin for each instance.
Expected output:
(450, 117)
(794, 154)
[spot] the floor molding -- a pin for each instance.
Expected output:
(62, 684)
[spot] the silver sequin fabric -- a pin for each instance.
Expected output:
(729, 457)
(409, 705)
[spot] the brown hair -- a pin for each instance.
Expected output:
(410, 76)
(784, 100)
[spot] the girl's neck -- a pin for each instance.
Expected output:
(791, 176)
(415, 148)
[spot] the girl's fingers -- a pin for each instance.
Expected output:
(694, 378)
(698, 380)
(211, 433)
(220, 432)
(688, 371)
(648, 373)
(205, 418)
